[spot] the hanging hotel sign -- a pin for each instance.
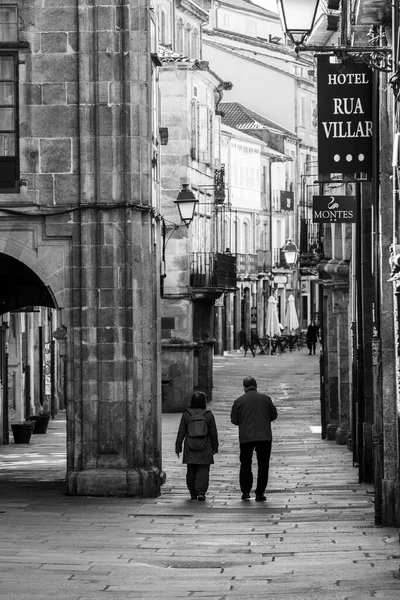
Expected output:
(345, 124)
(334, 209)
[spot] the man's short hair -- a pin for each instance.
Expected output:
(249, 382)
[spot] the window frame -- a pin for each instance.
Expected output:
(15, 39)
(14, 160)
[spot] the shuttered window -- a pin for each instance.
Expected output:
(204, 133)
(194, 151)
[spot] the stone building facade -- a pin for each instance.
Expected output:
(194, 267)
(78, 199)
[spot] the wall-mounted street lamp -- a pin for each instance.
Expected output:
(291, 253)
(298, 18)
(186, 203)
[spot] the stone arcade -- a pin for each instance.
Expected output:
(82, 222)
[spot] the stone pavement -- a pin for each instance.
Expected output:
(313, 539)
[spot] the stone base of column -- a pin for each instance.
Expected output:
(116, 482)
(390, 503)
(342, 436)
(331, 431)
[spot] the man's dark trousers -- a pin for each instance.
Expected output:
(263, 452)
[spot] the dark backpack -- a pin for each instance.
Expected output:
(197, 430)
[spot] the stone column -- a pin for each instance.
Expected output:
(114, 408)
(332, 372)
(343, 430)
(229, 324)
(260, 308)
(219, 322)
(203, 334)
(386, 423)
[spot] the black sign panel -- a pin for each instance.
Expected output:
(345, 124)
(334, 209)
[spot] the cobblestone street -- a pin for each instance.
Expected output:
(314, 538)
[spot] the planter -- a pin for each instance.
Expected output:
(22, 432)
(41, 423)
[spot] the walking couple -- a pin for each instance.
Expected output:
(252, 413)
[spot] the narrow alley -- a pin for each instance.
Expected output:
(314, 538)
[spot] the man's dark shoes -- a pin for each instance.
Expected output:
(261, 498)
(201, 498)
(245, 496)
(193, 496)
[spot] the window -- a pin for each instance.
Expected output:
(302, 111)
(224, 20)
(216, 140)
(195, 131)
(9, 169)
(195, 44)
(201, 134)
(250, 27)
(314, 117)
(204, 133)
(179, 36)
(246, 238)
(8, 23)
(163, 27)
(186, 40)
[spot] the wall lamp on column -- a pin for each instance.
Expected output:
(186, 203)
(291, 253)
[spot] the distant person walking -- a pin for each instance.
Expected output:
(198, 434)
(312, 337)
(253, 413)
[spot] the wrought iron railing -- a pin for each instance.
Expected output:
(213, 270)
(264, 261)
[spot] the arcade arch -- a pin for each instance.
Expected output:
(32, 372)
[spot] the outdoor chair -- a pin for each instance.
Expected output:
(282, 343)
(293, 342)
(264, 345)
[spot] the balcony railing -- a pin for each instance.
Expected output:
(213, 270)
(247, 264)
(264, 260)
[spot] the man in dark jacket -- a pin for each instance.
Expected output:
(312, 336)
(253, 413)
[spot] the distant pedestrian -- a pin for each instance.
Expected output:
(198, 434)
(312, 337)
(253, 413)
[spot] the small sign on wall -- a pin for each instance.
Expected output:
(334, 209)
